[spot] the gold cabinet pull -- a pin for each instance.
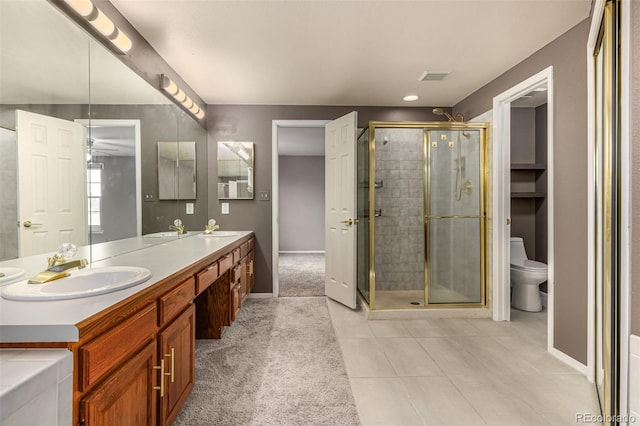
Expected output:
(251, 268)
(29, 224)
(162, 374)
(172, 355)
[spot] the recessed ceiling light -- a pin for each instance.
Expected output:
(411, 98)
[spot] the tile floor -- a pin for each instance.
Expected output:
(458, 371)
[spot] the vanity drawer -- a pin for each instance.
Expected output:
(108, 351)
(237, 274)
(244, 249)
(251, 242)
(207, 277)
(174, 302)
(236, 255)
(225, 263)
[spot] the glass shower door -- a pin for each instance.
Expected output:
(454, 221)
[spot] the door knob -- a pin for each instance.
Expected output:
(29, 224)
(350, 221)
(508, 221)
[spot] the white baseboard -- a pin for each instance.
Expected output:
(580, 367)
(260, 295)
(302, 252)
(634, 376)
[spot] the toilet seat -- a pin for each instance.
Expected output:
(530, 265)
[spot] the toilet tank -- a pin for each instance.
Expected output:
(517, 251)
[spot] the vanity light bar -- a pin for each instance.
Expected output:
(102, 23)
(172, 88)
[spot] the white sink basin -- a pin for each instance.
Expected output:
(10, 275)
(221, 234)
(81, 283)
(168, 234)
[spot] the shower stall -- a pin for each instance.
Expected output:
(421, 215)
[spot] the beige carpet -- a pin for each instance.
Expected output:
(301, 274)
(279, 364)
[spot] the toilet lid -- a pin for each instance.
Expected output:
(530, 265)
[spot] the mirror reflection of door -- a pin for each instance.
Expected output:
(51, 183)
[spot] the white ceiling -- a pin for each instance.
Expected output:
(346, 52)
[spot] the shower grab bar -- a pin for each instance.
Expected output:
(455, 217)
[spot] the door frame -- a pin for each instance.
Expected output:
(275, 187)
(135, 123)
(501, 197)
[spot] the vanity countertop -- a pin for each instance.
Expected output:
(55, 321)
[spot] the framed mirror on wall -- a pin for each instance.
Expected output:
(235, 170)
(176, 170)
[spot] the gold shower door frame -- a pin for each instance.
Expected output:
(426, 128)
(607, 244)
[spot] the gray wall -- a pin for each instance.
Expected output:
(118, 199)
(301, 209)
(635, 168)
(567, 54)
(541, 186)
(254, 123)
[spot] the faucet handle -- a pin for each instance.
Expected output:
(177, 222)
(65, 252)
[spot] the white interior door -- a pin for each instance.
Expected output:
(340, 210)
(51, 183)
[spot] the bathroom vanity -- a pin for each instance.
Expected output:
(133, 349)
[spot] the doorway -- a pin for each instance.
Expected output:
(298, 208)
(533, 174)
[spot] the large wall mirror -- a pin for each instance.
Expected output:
(61, 88)
(235, 170)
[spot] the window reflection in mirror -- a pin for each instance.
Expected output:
(235, 170)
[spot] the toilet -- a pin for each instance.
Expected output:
(526, 276)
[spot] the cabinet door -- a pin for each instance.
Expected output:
(177, 347)
(127, 397)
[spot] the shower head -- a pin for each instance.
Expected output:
(440, 111)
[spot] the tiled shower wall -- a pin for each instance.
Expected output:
(8, 195)
(399, 231)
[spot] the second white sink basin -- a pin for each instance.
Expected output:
(221, 234)
(168, 234)
(81, 283)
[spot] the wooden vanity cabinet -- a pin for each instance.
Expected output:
(127, 396)
(134, 362)
(176, 344)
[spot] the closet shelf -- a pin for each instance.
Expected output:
(528, 166)
(528, 194)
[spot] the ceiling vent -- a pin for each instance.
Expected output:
(433, 76)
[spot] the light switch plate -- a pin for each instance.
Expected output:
(225, 208)
(189, 208)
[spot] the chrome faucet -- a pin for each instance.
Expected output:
(59, 264)
(177, 226)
